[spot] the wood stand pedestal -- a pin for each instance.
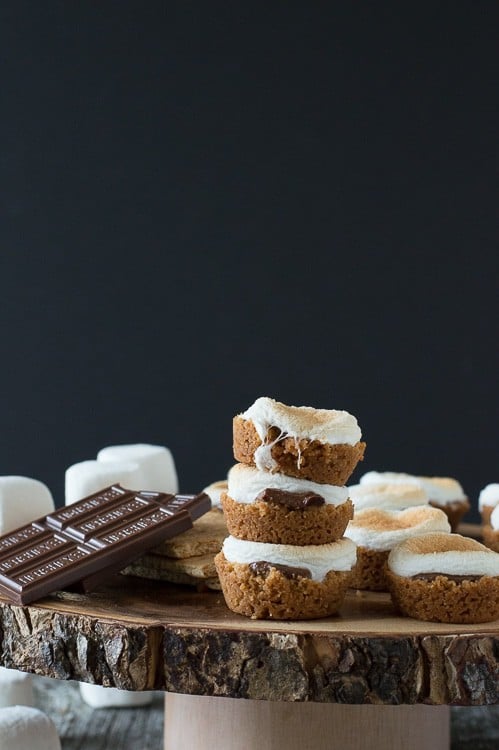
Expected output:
(231, 724)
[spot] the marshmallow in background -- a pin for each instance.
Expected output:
(87, 477)
(97, 696)
(155, 461)
(494, 518)
(27, 728)
(22, 500)
(16, 688)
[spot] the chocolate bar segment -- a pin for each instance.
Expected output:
(90, 540)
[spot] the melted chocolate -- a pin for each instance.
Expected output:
(263, 568)
(291, 500)
(432, 576)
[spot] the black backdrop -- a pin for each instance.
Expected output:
(207, 202)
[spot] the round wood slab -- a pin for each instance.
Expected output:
(141, 635)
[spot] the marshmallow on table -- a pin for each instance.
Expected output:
(155, 461)
(16, 688)
(97, 696)
(87, 477)
(27, 728)
(21, 501)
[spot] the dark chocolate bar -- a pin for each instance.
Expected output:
(91, 539)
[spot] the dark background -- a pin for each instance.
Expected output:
(207, 202)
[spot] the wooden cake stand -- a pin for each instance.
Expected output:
(367, 678)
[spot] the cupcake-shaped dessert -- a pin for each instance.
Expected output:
(322, 445)
(376, 532)
(445, 578)
(387, 496)
(278, 509)
(487, 501)
(490, 531)
(284, 581)
(287, 508)
(444, 493)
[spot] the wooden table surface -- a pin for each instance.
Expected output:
(140, 635)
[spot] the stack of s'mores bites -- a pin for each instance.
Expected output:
(286, 509)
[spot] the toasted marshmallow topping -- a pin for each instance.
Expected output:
(325, 425)
(494, 518)
(246, 483)
(318, 558)
(387, 477)
(382, 529)
(489, 496)
(387, 496)
(215, 490)
(450, 554)
(441, 490)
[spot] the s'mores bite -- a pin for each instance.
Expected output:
(283, 581)
(444, 493)
(387, 496)
(490, 531)
(376, 532)
(488, 499)
(279, 509)
(322, 445)
(445, 578)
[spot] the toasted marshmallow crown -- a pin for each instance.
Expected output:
(325, 425)
(441, 490)
(450, 554)
(382, 529)
(387, 496)
(318, 558)
(246, 483)
(489, 496)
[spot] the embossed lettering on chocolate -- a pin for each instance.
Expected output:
(91, 539)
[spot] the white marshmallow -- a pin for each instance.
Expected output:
(27, 728)
(489, 496)
(97, 696)
(382, 529)
(494, 518)
(16, 688)
(387, 496)
(451, 554)
(318, 558)
(87, 477)
(215, 491)
(22, 500)
(325, 425)
(155, 461)
(246, 482)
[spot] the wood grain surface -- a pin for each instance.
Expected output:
(140, 635)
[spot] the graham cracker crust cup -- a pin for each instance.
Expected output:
(305, 459)
(277, 597)
(490, 537)
(269, 522)
(369, 572)
(444, 600)
(454, 511)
